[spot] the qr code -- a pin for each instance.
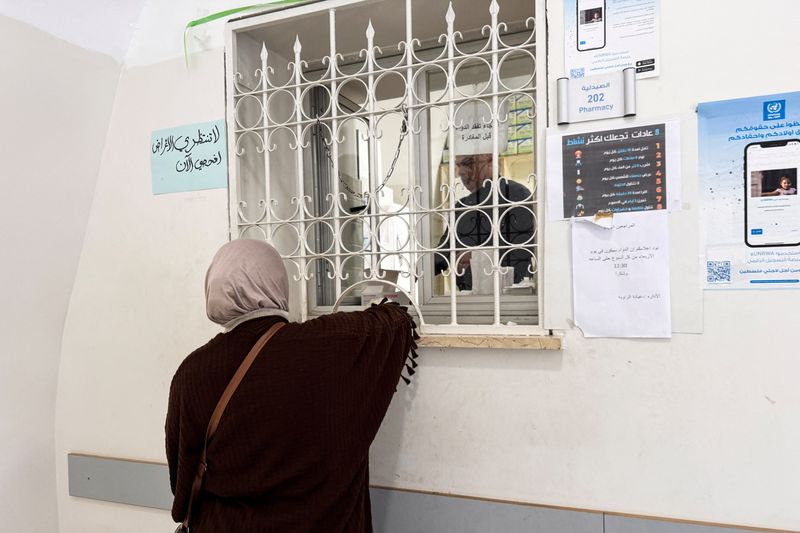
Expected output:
(718, 271)
(576, 73)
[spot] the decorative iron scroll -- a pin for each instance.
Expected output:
(495, 226)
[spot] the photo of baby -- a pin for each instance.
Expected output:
(591, 15)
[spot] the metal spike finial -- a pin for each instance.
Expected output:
(450, 17)
(297, 45)
(494, 7)
(264, 54)
(370, 30)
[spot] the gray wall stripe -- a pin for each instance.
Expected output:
(393, 511)
(119, 480)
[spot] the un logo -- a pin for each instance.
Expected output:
(774, 109)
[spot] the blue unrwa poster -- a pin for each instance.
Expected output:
(749, 156)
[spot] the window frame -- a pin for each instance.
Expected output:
(475, 304)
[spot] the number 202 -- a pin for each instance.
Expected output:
(594, 98)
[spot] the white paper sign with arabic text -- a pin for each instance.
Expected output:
(620, 276)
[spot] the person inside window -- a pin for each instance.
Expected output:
(474, 227)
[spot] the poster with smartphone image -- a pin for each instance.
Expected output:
(772, 210)
(749, 159)
(602, 36)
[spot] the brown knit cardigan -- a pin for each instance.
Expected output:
(291, 451)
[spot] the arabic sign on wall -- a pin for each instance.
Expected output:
(189, 158)
(620, 276)
(749, 166)
(597, 97)
(614, 171)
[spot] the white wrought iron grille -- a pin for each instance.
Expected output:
(405, 169)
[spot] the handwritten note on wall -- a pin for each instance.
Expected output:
(620, 276)
(189, 158)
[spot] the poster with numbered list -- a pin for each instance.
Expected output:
(621, 170)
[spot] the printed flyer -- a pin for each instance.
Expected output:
(603, 36)
(620, 276)
(749, 155)
(637, 168)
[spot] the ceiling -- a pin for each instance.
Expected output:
(105, 26)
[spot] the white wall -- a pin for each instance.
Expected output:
(55, 103)
(160, 29)
(137, 307)
(701, 427)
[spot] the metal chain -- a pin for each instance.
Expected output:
(362, 196)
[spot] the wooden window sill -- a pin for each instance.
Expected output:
(508, 342)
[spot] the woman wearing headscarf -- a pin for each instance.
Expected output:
(290, 453)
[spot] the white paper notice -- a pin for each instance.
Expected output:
(620, 276)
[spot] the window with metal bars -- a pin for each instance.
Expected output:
(389, 149)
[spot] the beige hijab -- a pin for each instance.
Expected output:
(246, 279)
